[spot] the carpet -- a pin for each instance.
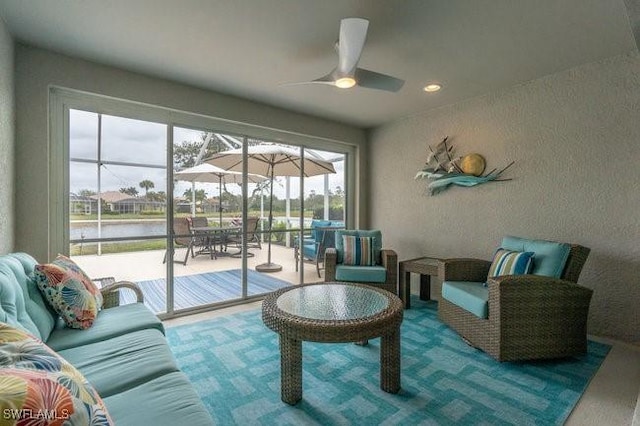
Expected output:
(201, 289)
(234, 363)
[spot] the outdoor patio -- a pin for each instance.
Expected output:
(194, 284)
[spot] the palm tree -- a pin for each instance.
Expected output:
(146, 185)
(130, 191)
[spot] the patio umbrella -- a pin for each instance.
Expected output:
(271, 160)
(212, 174)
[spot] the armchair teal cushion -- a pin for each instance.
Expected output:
(376, 235)
(549, 259)
(309, 250)
(470, 296)
(315, 224)
(361, 274)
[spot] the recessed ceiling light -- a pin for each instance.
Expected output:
(433, 87)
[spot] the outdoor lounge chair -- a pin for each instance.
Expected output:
(313, 249)
(382, 274)
(541, 314)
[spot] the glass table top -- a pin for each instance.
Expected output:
(332, 302)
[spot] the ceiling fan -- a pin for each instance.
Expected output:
(353, 33)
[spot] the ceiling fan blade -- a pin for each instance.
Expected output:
(327, 79)
(300, 83)
(376, 80)
(353, 33)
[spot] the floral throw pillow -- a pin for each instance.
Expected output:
(38, 387)
(69, 291)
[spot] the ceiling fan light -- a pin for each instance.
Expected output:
(345, 82)
(433, 87)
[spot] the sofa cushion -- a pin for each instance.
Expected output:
(137, 357)
(361, 274)
(470, 296)
(110, 323)
(375, 234)
(173, 398)
(39, 312)
(69, 291)
(508, 262)
(358, 251)
(12, 302)
(550, 257)
(34, 379)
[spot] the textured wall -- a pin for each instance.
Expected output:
(6, 140)
(37, 70)
(575, 137)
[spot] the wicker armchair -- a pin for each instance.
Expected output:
(388, 260)
(529, 316)
(110, 289)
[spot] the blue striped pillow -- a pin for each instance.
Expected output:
(507, 262)
(358, 250)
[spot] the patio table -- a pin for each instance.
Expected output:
(333, 313)
(213, 236)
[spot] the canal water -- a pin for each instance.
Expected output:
(132, 228)
(113, 229)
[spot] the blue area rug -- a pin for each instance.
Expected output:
(234, 363)
(200, 289)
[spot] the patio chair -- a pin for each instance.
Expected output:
(519, 314)
(181, 232)
(313, 249)
(382, 270)
(253, 238)
(205, 241)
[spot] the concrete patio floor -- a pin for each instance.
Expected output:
(147, 265)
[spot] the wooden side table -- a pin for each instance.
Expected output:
(426, 267)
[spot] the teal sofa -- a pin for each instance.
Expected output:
(124, 354)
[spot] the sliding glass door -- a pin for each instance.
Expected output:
(117, 217)
(148, 202)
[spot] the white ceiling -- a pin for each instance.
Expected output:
(248, 48)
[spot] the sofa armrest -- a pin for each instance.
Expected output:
(463, 269)
(110, 291)
(330, 261)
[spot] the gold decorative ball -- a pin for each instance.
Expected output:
(473, 164)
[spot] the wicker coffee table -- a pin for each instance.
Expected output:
(333, 313)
